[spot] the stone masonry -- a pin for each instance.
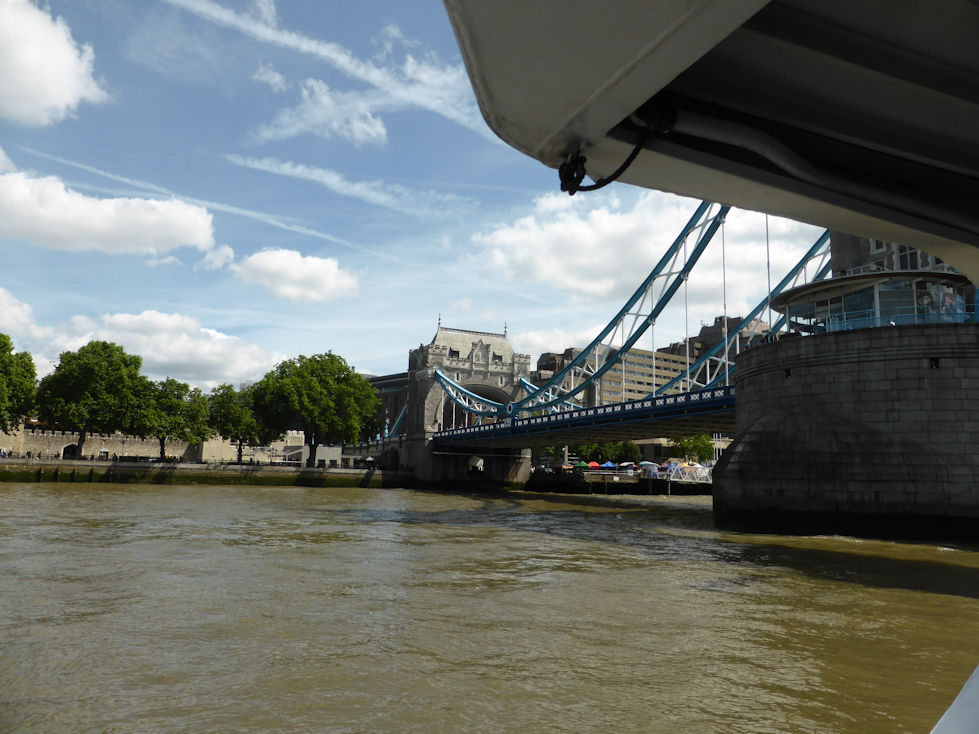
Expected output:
(870, 431)
(37, 443)
(482, 362)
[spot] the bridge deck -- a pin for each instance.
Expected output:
(704, 411)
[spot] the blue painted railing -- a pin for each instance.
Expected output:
(710, 400)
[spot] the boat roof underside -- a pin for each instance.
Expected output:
(861, 117)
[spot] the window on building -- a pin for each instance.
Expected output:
(859, 308)
(907, 258)
(858, 302)
(896, 300)
(829, 307)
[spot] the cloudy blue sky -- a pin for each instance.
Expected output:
(218, 185)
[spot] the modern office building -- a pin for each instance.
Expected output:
(643, 371)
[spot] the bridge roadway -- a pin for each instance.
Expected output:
(702, 411)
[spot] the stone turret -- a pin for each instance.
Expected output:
(482, 362)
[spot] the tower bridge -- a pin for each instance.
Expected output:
(855, 414)
(859, 117)
(488, 368)
(469, 390)
(702, 411)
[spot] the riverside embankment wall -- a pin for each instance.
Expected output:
(869, 432)
(38, 443)
(23, 470)
(52, 444)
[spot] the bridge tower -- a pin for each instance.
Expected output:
(866, 425)
(485, 364)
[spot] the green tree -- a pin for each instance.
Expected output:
(588, 451)
(17, 381)
(699, 448)
(171, 410)
(96, 389)
(615, 451)
(322, 396)
(628, 451)
(233, 419)
(552, 454)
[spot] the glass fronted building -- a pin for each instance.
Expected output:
(877, 299)
(878, 284)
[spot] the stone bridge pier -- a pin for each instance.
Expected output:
(483, 363)
(863, 432)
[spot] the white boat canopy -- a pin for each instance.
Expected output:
(857, 116)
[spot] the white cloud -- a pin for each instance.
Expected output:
(217, 258)
(390, 196)
(389, 37)
(442, 89)
(463, 304)
(260, 216)
(328, 114)
(166, 44)
(6, 165)
(44, 74)
(171, 344)
(264, 11)
(290, 274)
(18, 322)
(160, 261)
(535, 342)
(748, 272)
(588, 249)
(268, 75)
(599, 249)
(43, 211)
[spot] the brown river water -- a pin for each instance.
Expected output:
(210, 609)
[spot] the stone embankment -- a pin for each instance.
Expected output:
(158, 472)
(869, 432)
(154, 472)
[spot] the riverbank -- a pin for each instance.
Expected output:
(156, 472)
(611, 483)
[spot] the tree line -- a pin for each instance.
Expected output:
(99, 389)
(698, 447)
